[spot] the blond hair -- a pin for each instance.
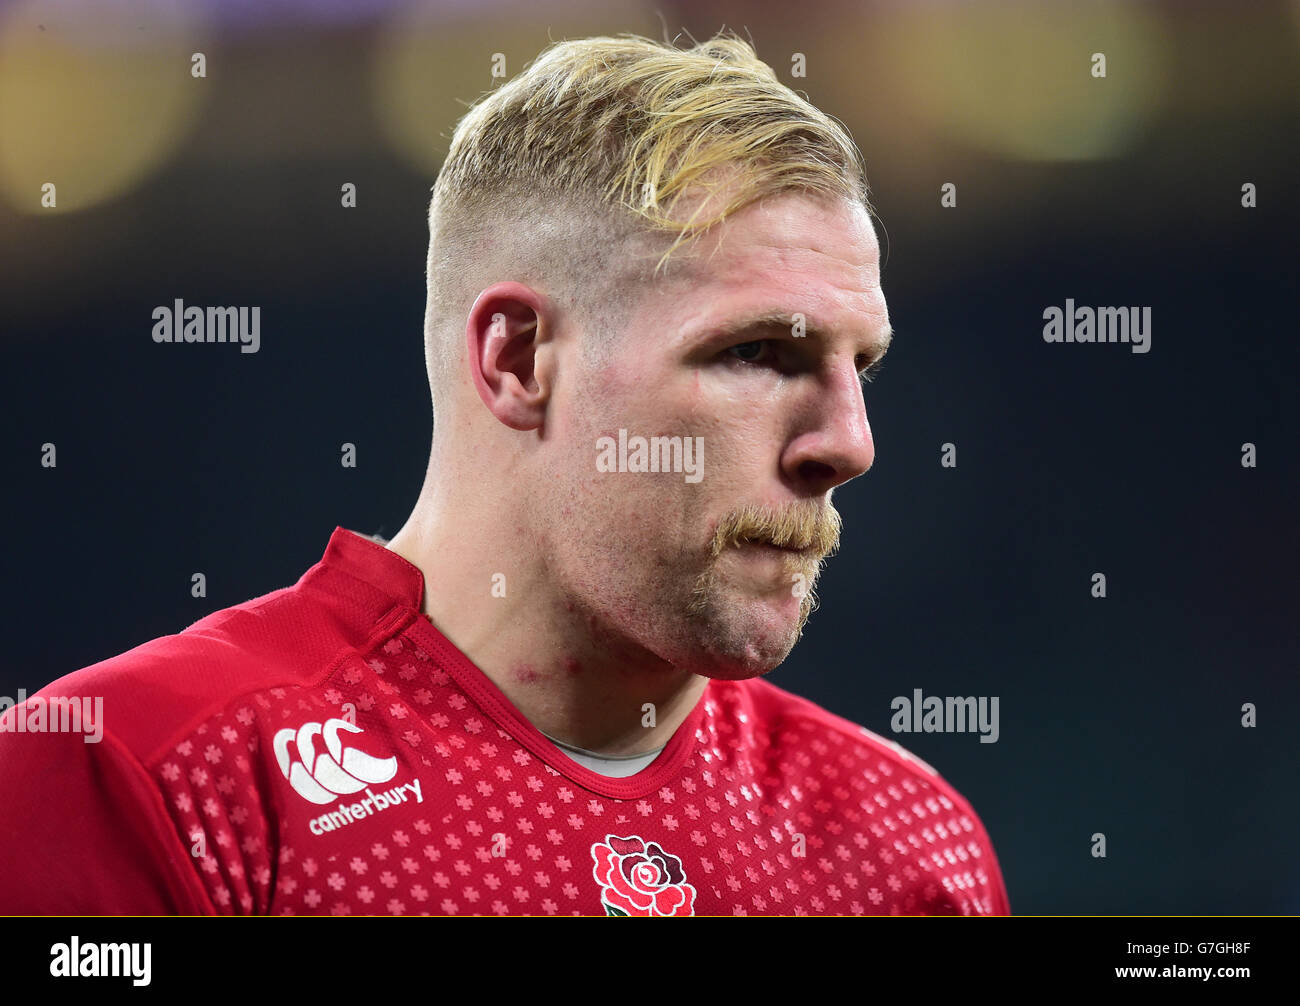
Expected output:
(559, 176)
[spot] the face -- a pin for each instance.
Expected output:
(711, 566)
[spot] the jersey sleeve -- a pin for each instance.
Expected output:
(84, 831)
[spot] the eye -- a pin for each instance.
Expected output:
(750, 352)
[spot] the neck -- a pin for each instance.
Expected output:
(577, 681)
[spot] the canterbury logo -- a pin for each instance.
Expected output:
(321, 776)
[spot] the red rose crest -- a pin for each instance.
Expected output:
(639, 878)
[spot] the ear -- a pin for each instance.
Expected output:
(509, 338)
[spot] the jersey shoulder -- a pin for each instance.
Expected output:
(799, 730)
(814, 726)
(159, 690)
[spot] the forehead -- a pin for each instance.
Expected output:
(788, 253)
(795, 222)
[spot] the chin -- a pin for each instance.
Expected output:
(732, 655)
(733, 632)
(732, 672)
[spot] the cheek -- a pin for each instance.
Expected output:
(649, 514)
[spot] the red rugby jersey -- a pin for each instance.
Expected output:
(323, 749)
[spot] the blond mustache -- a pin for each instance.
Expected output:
(810, 526)
(806, 526)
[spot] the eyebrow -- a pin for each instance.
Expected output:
(786, 322)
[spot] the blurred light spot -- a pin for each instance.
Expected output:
(433, 61)
(93, 96)
(1016, 79)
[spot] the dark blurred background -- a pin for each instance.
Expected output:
(1119, 715)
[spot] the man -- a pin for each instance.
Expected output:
(653, 288)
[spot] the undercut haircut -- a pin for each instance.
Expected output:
(585, 172)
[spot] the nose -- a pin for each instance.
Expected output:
(835, 444)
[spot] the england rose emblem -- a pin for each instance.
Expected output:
(639, 878)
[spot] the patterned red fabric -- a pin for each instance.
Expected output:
(323, 749)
